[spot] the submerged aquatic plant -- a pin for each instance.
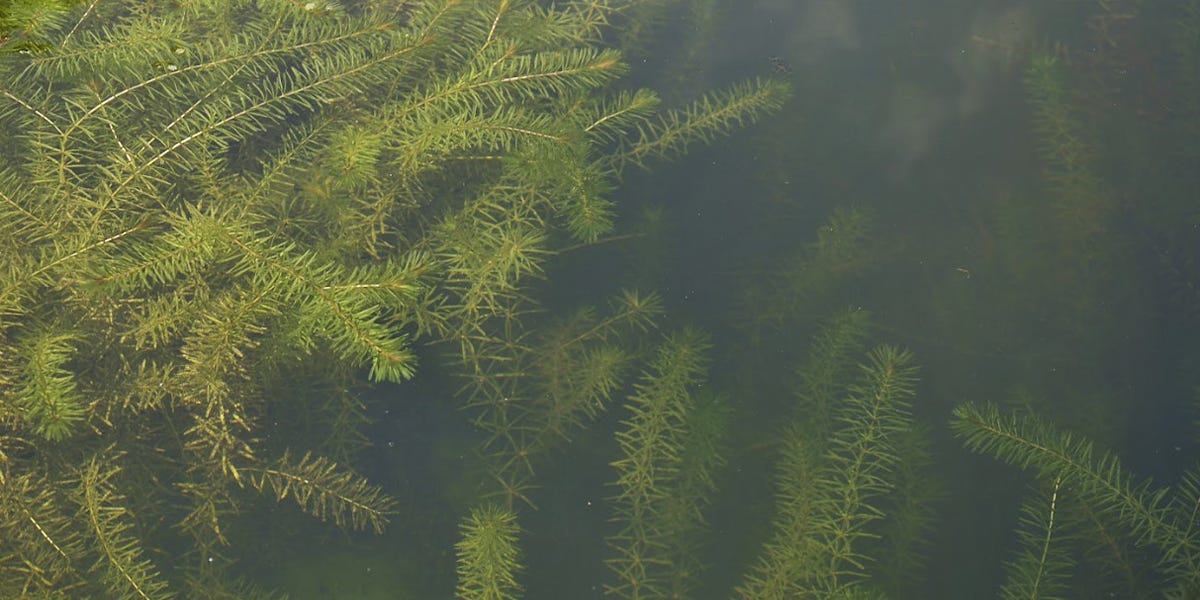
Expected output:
(218, 216)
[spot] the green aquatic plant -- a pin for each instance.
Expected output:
(1083, 203)
(1132, 511)
(669, 446)
(488, 556)
(830, 490)
(221, 217)
(1041, 566)
(841, 480)
(24, 23)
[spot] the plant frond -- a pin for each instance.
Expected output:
(325, 490)
(711, 116)
(44, 550)
(352, 154)
(46, 392)
(1042, 564)
(489, 559)
(912, 509)
(1100, 481)
(427, 139)
(616, 118)
(823, 376)
(682, 519)
(788, 556)
(858, 466)
(511, 80)
(120, 561)
(1081, 200)
(652, 441)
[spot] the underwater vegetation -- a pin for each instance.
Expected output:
(219, 216)
(225, 220)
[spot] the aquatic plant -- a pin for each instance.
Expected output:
(218, 216)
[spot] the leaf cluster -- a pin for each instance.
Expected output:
(327, 492)
(668, 449)
(533, 394)
(1082, 201)
(1138, 513)
(488, 556)
(203, 199)
(832, 493)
